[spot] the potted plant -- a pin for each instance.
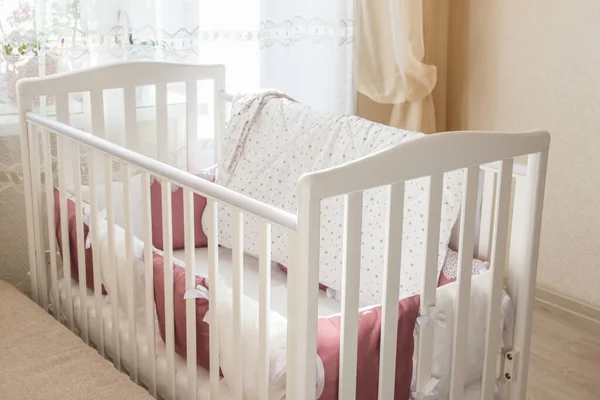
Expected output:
(25, 48)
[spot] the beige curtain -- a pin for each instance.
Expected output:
(400, 50)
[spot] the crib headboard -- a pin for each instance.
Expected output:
(55, 96)
(147, 107)
(495, 212)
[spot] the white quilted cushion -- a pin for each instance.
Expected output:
(446, 300)
(289, 139)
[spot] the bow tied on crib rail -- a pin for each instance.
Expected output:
(432, 316)
(87, 220)
(430, 392)
(199, 292)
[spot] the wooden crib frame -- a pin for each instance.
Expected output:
(507, 225)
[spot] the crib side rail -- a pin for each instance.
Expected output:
(177, 176)
(41, 133)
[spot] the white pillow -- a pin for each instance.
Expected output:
(250, 349)
(446, 300)
(135, 190)
(116, 273)
(287, 140)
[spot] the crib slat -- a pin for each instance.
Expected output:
(168, 271)
(97, 113)
(131, 135)
(49, 181)
(497, 265)
(353, 204)
(478, 214)
(149, 279)
(64, 230)
(93, 231)
(213, 279)
(290, 382)
(38, 221)
(264, 303)
(62, 115)
(97, 119)
(62, 108)
(487, 209)
(190, 277)
(80, 244)
(110, 218)
(25, 102)
(425, 357)
(391, 290)
(219, 111)
(523, 294)
(511, 218)
(192, 144)
(238, 290)
(129, 261)
(162, 128)
(465, 257)
(306, 295)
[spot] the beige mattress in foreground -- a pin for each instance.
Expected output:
(41, 359)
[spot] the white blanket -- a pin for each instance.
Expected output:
(271, 141)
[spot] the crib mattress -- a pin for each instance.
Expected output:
(327, 306)
(42, 359)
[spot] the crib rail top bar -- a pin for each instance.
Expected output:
(421, 157)
(208, 189)
(118, 75)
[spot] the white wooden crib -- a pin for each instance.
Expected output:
(500, 219)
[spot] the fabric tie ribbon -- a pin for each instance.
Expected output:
(87, 219)
(199, 292)
(249, 113)
(432, 316)
(430, 392)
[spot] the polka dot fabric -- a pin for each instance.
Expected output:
(286, 140)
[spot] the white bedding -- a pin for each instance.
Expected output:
(269, 145)
(472, 391)
(326, 307)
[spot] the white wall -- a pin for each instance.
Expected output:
(525, 64)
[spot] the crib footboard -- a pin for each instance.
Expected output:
(393, 168)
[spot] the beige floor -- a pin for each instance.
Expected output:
(565, 360)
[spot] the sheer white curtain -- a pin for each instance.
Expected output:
(303, 48)
(307, 51)
(392, 67)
